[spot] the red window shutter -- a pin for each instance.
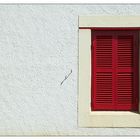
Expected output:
(114, 70)
(127, 71)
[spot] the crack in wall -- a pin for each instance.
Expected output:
(66, 77)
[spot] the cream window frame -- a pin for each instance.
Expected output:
(86, 117)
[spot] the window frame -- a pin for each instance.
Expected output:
(86, 117)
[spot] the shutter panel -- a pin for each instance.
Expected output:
(102, 71)
(126, 70)
(114, 70)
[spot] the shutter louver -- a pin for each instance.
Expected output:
(104, 88)
(124, 90)
(104, 52)
(125, 51)
(114, 70)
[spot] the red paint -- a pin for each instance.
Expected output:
(114, 70)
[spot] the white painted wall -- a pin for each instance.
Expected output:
(38, 48)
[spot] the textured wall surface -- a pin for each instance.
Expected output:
(38, 48)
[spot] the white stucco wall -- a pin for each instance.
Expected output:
(38, 48)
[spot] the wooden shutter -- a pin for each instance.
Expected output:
(115, 70)
(127, 71)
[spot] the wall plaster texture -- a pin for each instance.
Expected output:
(38, 48)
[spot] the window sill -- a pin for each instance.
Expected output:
(110, 119)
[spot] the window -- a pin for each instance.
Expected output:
(114, 70)
(109, 66)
